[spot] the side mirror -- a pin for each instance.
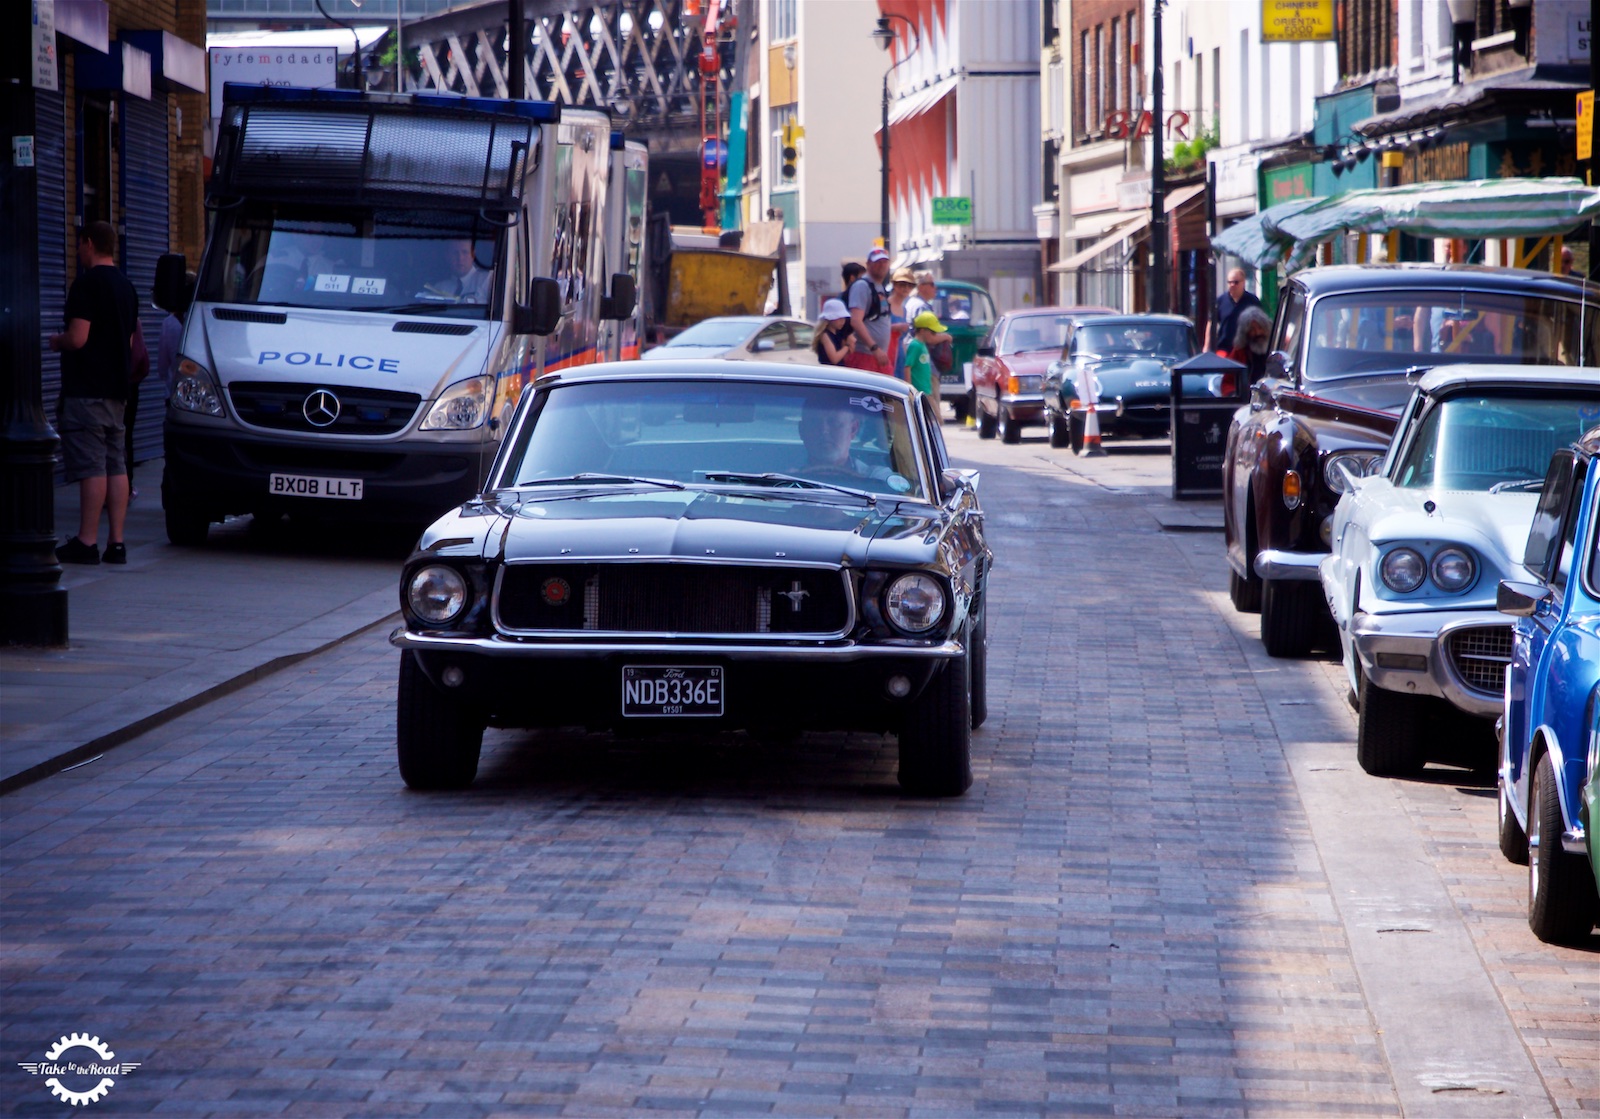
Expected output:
(986, 350)
(765, 344)
(168, 290)
(1522, 600)
(953, 482)
(624, 296)
(541, 314)
(1278, 364)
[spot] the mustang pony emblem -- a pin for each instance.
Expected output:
(796, 595)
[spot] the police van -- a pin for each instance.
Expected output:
(620, 339)
(383, 276)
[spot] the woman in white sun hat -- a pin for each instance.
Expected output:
(832, 340)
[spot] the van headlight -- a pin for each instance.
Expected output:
(914, 602)
(463, 405)
(193, 389)
(436, 594)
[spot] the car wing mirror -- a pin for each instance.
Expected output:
(953, 482)
(623, 298)
(167, 292)
(1522, 600)
(541, 314)
(1277, 364)
(986, 350)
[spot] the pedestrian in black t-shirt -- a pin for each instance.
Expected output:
(102, 314)
(1224, 324)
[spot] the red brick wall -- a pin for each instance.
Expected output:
(1087, 15)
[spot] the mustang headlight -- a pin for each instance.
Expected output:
(914, 602)
(1403, 570)
(437, 594)
(1453, 569)
(463, 405)
(193, 390)
(1339, 468)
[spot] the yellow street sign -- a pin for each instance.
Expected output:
(1296, 21)
(1586, 124)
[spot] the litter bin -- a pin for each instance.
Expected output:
(1206, 391)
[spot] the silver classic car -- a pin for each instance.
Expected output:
(666, 546)
(1422, 536)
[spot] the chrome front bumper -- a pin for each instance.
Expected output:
(1409, 653)
(402, 638)
(1303, 566)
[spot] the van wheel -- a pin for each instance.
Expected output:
(1388, 732)
(437, 740)
(186, 527)
(936, 738)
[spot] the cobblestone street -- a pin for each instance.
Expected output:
(1170, 891)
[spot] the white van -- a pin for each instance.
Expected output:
(384, 274)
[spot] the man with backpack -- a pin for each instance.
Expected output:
(869, 316)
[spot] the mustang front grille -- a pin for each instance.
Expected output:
(671, 598)
(1479, 655)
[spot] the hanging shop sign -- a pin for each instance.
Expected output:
(1122, 124)
(953, 210)
(1445, 163)
(1285, 184)
(1297, 21)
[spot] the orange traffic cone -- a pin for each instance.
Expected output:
(1091, 433)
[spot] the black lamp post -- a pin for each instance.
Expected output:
(1158, 173)
(884, 34)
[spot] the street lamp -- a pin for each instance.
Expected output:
(885, 36)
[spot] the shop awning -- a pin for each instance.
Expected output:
(920, 101)
(1475, 209)
(1136, 225)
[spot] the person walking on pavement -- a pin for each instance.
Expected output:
(1225, 317)
(869, 316)
(102, 314)
(1250, 342)
(901, 287)
(919, 363)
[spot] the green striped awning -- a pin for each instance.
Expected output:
(1257, 239)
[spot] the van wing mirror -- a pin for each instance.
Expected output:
(541, 314)
(624, 296)
(168, 290)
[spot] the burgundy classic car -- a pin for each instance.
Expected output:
(1349, 344)
(1008, 375)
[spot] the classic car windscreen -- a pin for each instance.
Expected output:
(1030, 333)
(1494, 441)
(1373, 332)
(279, 254)
(1164, 342)
(707, 432)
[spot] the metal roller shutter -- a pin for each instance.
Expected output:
(50, 157)
(145, 238)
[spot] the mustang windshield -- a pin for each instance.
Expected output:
(1383, 331)
(424, 262)
(777, 435)
(1495, 441)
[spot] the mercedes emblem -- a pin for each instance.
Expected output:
(321, 408)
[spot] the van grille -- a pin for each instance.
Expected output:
(1479, 655)
(675, 598)
(361, 411)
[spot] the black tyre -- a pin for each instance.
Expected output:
(186, 527)
(958, 404)
(986, 425)
(978, 648)
(1060, 435)
(1562, 906)
(1513, 840)
(1389, 732)
(1289, 616)
(1010, 430)
(936, 738)
(1244, 593)
(437, 740)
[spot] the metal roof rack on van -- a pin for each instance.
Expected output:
(440, 150)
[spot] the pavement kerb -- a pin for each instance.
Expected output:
(167, 712)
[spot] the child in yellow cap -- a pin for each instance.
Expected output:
(919, 366)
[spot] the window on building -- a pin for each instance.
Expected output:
(782, 24)
(1294, 88)
(1135, 81)
(1244, 86)
(94, 167)
(1197, 106)
(781, 115)
(1080, 92)
(1115, 83)
(1097, 117)
(1047, 22)
(1266, 91)
(1216, 90)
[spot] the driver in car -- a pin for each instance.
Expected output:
(828, 429)
(466, 283)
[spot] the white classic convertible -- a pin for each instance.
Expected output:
(1421, 538)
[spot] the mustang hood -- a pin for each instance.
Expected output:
(707, 526)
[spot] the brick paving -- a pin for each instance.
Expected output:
(1127, 915)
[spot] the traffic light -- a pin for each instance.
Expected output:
(791, 155)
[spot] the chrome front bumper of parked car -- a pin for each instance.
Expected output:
(1453, 654)
(402, 638)
(1273, 564)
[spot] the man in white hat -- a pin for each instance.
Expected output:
(869, 314)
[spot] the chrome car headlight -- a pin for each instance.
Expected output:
(1453, 569)
(1350, 464)
(1403, 570)
(463, 405)
(437, 594)
(193, 389)
(914, 602)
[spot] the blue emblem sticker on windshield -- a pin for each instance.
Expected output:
(872, 404)
(898, 484)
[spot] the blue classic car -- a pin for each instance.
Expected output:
(1126, 362)
(1550, 732)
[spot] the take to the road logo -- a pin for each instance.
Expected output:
(79, 1069)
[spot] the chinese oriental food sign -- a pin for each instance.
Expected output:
(1296, 21)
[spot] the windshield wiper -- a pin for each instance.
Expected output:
(424, 307)
(784, 480)
(665, 483)
(1517, 484)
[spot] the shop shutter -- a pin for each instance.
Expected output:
(50, 158)
(145, 238)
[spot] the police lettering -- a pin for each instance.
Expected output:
(354, 361)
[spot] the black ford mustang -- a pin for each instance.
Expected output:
(691, 544)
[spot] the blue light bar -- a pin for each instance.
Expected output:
(618, 141)
(542, 112)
